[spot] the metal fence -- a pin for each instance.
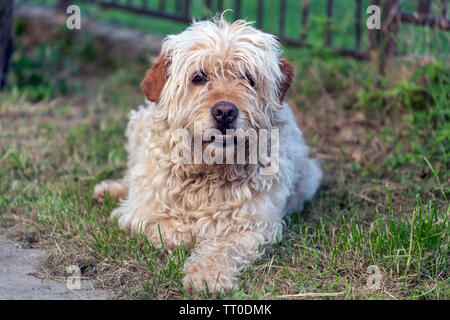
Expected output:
(392, 13)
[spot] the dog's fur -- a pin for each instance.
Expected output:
(227, 211)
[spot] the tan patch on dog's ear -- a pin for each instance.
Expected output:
(287, 68)
(155, 79)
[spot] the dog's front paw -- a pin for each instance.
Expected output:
(209, 277)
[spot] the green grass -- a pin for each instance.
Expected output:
(384, 200)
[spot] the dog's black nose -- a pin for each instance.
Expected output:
(225, 113)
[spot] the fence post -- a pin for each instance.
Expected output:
(389, 31)
(358, 19)
(328, 36)
(424, 8)
(374, 38)
(63, 4)
(6, 39)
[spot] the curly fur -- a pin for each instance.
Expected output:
(228, 212)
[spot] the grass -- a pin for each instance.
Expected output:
(382, 210)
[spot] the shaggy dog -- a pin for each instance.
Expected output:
(222, 77)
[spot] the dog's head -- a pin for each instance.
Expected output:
(222, 76)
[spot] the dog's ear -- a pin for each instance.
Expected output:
(155, 78)
(287, 69)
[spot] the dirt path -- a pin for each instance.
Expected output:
(17, 282)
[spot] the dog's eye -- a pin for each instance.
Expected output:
(200, 78)
(250, 80)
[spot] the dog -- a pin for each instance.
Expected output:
(224, 77)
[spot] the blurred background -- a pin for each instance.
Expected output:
(373, 105)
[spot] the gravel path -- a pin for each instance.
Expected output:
(17, 282)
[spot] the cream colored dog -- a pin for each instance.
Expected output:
(221, 76)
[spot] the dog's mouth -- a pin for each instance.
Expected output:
(224, 140)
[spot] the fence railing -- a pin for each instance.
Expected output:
(393, 15)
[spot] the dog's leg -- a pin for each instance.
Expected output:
(169, 233)
(161, 230)
(305, 187)
(215, 263)
(117, 189)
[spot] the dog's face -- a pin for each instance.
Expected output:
(220, 76)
